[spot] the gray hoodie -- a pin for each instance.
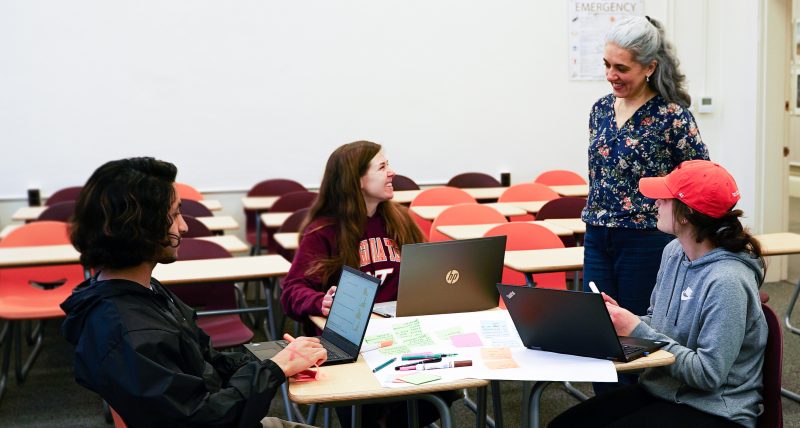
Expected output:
(709, 312)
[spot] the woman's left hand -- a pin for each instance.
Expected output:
(624, 321)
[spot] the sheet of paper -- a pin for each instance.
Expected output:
(419, 378)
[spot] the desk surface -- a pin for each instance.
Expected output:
(549, 260)
(218, 270)
(259, 203)
(219, 223)
(41, 255)
(274, 220)
(776, 244)
(229, 242)
(506, 208)
(576, 225)
(288, 240)
(572, 190)
(32, 213)
(211, 204)
(469, 231)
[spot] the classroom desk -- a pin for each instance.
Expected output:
(220, 270)
(258, 204)
(547, 260)
(469, 231)
(231, 243)
(32, 213)
(581, 190)
(432, 211)
(274, 220)
(287, 240)
(479, 193)
(40, 255)
(211, 204)
(219, 223)
(576, 225)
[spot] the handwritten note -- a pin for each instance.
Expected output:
(446, 333)
(498, 358)
(378, 338)
(394, 350)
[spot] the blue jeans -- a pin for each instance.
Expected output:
(623, 263)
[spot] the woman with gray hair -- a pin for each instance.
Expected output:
(643, 128)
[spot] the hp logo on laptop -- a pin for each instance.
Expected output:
(452, 276)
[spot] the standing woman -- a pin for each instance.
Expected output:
(642, 129)
(705, 305)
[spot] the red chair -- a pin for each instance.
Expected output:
(464, 214)
(196, 228)
(559, 177)
(566, 207)
(225, 331)
(470, 180)
(527, 192)
(195, 209)
(186, 191)
(273, 187)
(288, 203)
(528, 236)
(61, 211)
(33, 293)
(292, 224)
(772, 416)
(437, 196)
(64, 195)
(401, 182)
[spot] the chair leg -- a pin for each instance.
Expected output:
(8, 333)
(790, 309)
(270, 329)
(534, 403)
(575, 392)
(22, 369)
(475, 407)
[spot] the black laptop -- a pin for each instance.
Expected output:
(347, 322)
(448, 277)
(570, 322)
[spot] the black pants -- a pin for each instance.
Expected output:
(633, 406)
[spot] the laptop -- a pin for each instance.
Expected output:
(448, 277)
(347, 322)
(570, 322)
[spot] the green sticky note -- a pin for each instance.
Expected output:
(420, 378)
(446, 333)
(394, 350)
(378, 338)
(409, 330)
(419, 340)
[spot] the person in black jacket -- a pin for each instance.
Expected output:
(136, 343)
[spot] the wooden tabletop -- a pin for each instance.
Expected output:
(40, 255)
(259, 203)
(572, 190)
(532, 207)
(432, 211)
(211, 204)
(217, 270)
(405, 196)
(219, 223)
(288, 240)
(576, 225)
(777, 244)
(470, 231)
(274, 220)
(655, 359)
(27, 213)
(549, 260)
(230, 242)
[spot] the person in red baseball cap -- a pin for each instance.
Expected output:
(705, 305)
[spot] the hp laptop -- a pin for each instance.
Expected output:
(347, 321)
(569, 322)
(448, 277)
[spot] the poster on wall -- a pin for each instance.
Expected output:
(589, 21)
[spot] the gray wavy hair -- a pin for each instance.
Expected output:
(644, 38)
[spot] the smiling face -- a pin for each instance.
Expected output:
(627, 77)
(376, 183)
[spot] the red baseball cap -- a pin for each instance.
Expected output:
(703, 185)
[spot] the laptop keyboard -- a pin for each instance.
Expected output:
(332, 354)
(631, 349)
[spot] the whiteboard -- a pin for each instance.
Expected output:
(237, 92)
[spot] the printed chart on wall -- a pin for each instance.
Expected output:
(589, 21)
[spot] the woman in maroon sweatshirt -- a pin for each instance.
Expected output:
(353, 222)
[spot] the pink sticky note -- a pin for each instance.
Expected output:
(466, 339)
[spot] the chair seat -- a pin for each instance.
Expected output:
(225, 331)
(25, 302)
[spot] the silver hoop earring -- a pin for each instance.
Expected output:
(647, 78)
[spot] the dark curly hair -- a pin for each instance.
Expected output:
(122, 214)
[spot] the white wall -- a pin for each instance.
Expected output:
(241, 91)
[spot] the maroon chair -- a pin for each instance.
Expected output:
(772, 416)
(288, 203)
(64, 195)
(567, 207)
(472, 180)
(225, 331)
(60, 211)
(401, 182)
(196, 228)
(292, 224)
(194, 208)
(273, 187)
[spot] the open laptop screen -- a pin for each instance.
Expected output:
(352, 305)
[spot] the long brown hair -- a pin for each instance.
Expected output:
(340, 200)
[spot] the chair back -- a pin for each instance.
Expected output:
(528, 236)
(772, 376)
(464, 214)
(195, 209)
(60, 211)
(186, 191)
(401, 182)
(197, 229)
(566, 207)
(437, 196)
(272, 187)
(559, 177)
(527, 192)
(64, 195)
(472, 180)
(292, 224)
(206, 296)
(118, 422)
(291, 202)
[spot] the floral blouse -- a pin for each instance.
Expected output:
(653, 142)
